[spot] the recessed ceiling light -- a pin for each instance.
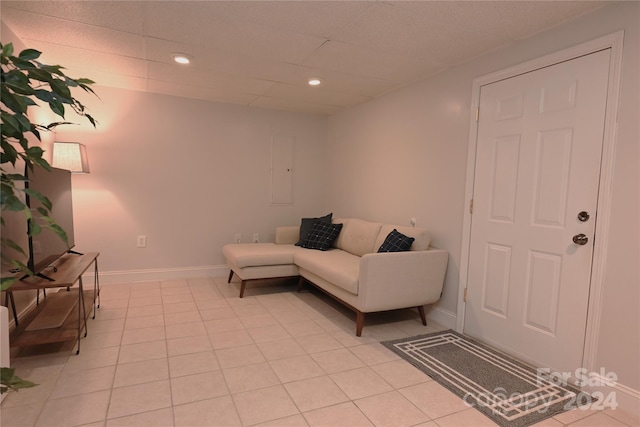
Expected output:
(181, 58)
(314, 81)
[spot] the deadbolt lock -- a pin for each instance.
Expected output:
(583, 216)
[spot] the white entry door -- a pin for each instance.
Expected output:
(535, 193)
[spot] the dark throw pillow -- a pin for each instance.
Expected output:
(396, 242)
(307, 224)
(322, 235)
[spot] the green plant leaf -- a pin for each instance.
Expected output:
(10, 125)
(23, 64)
(29, 54)
(13, 245)
(10, 381)
(71, 82)
(7, 49)
(41, 162)
(36, 132)
(61, 88)
(34, 228)
(5, 283)
(40, 197)
(25, 124)
(16, 103)
(44, 95)
(57, 107)
(15, 177)
(19, 88)
(34, 153)
(51, 225)
(18, 81)
(10, 202)
(51, 126)
(9, 153)
(40, 75)
(91, 119)
(19, 123)
(88, 89)
(53, 69)
(83, 81)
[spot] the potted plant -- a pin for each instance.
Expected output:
(27, 83)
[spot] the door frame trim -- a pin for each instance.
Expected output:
(614, 42)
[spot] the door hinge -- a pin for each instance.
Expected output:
(471, 206)
(465, 295)
(477, 114)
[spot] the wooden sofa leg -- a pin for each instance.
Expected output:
(230, 276)
(422, 315)
(301, 283)
(243, 284)
(359, 323)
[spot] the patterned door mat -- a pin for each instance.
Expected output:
(509, 392)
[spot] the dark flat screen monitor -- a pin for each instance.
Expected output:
(47, 246)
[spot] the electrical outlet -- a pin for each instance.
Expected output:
(256, 238)
(237, 238)
(413, 222)
(142, 241)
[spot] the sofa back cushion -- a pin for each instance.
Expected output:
(421, 236)
(358, 237)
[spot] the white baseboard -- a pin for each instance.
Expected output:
(444, 317)
(626, 399)
(134, 276)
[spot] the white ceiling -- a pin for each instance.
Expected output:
(261, 53)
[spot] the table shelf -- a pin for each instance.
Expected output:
(67, 331)
(70, 324)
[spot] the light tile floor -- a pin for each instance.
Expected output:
(191, 353)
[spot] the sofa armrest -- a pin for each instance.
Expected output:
(401, 279)
(287, 235)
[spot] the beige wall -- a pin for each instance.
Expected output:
(404, 155)
(189, 175)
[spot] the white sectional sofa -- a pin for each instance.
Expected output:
(352, 270)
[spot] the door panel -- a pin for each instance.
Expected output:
(537, 166)
(505, 177)
(495, 294)
(551, 179)
(542, 292)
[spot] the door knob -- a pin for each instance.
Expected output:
(580, 239)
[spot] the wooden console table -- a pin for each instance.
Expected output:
(67, 310)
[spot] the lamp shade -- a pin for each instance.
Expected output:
(71, 156)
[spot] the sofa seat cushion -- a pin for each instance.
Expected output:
(336, 266)
(258, 254)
